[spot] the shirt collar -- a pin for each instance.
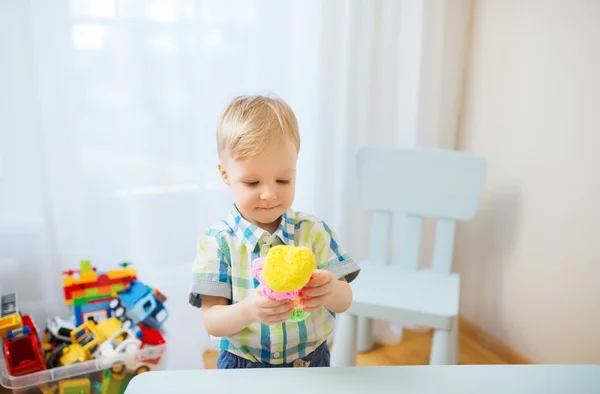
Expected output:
(250, 234)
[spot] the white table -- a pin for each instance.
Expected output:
(461, 379)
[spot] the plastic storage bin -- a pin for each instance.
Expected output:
(100, 375)
(94, 376)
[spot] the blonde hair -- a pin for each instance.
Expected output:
(249, 123)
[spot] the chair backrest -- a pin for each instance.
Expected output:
(420, 183)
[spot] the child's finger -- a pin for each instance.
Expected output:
(267, 302)
(279, 305)
(312, 309)
(319, 280)
(313, 302)
(280, 309)
(279, 318)
(314, 291)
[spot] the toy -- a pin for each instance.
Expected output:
(121, 353)
(92, 307)
(123, 340)
(10, 318)
(152, 339)
(85, 342)
(22, 349)
(115, 382)
(68, 386)
(151, 336)
(59, 329)
(139, 304)
(283, 273)
(123, 343)
(57, 333)
(90, 284)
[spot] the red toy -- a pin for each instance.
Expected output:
(152, 337)
(23, 350)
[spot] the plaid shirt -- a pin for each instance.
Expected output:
(223, 268)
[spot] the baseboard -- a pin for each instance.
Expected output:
(492, 343)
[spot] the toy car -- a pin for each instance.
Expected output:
(22, 349)
(122, 342)
(60, 329)
(139, 304)
(121, 353)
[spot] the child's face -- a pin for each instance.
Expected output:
(263, 186)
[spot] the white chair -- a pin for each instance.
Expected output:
(418, 183)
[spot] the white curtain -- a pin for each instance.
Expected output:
(107, 117)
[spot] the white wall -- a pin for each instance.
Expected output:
(530, 261)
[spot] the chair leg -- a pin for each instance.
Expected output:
(454, 338)
(343, 352)
(365, 335)
(441, 348)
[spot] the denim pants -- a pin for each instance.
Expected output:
(318, 358)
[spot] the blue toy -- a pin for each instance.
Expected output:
(139, 304)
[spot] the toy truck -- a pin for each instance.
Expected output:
(139, 304)
(22, 349)
(85, 341)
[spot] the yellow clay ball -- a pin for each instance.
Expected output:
(288, 268)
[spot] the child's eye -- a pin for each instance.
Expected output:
(284, 181)
(251, 184)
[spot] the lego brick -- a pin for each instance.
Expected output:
(88, 277)
(85, 266)
(92, 291)
(103, 284)
(105, 290)
(103, 280)
(10, 323)
(114, 383)
(96, 306)
(122, 273)
(75, 386)
(92, 299)
(68, 281)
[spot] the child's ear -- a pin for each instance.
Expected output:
(223, 173)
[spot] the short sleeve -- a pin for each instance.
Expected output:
(330, 254)
(211, 271)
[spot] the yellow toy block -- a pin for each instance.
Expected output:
(122, 273)
(87, 277)
(9, 323)
(68, 281)
(109, 326)
(75, 386)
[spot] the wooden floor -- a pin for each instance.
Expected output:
(476, 347)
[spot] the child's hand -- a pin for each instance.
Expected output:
(268, 311)
(318, 291)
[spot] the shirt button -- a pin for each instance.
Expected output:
(265, 248)
(276, 354)
(266, 238)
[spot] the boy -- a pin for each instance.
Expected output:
(258, 144)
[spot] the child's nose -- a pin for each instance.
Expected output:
(268, 194)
